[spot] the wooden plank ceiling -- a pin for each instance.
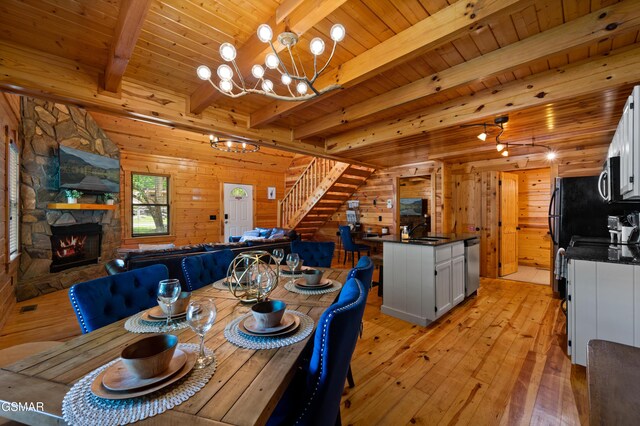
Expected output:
(413, 72)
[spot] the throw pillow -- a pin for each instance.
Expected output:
(254, 233)
(264, 232)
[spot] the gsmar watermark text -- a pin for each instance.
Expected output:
(22, 406)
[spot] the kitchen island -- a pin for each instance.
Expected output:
(423, 277)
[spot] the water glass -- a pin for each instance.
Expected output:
(168, 292)
(201, 314)
(292, 262)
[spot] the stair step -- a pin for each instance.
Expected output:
(351, 171)
(350, 181)
(335, 196)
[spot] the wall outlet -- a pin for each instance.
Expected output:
(389, 203)
(212, 217)
(379, 218)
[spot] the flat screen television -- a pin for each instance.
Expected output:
(88, 172)
(412, 206)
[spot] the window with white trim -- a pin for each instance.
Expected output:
(13, 186)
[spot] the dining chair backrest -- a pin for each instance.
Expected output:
(345, 236)
(206, 268)
(314, 253)
(108, 299)
(333, 345)
(363, 271)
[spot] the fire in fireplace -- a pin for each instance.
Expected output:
(75, 245)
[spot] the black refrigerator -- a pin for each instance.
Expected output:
(577, 209)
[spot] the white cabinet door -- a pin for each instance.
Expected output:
(601, 305)
(443, 287)
(457, 280)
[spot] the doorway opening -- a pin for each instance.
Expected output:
(533, 239)
(238, 209)
(416, 202)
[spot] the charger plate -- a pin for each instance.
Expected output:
(286, 322)
(302, 283)
(157, 313)
(282, 332)
(234, 335)
(119, 378)
(98, 389)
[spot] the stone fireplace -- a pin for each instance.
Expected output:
(46, 126)
(75, 245)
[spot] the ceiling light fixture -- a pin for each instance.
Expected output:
(503, 148)
(232, 145)
(292, 72)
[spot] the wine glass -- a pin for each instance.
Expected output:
(278, 255)
(292, 262)
(201, 314)
(168, 293)
(264, 283)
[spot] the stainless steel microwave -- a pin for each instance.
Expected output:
(609, 181)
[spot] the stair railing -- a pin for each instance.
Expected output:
(302, 188)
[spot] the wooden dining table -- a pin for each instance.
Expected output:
(244, 390)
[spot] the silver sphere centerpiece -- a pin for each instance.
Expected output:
(253, 275)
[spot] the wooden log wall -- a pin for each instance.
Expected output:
(382, 186)
(196, 192)
(534, 193)
(9, 125)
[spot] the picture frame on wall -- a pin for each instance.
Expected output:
(271, 193)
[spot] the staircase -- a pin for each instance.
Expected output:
(318, 193)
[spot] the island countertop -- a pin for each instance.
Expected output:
(431, 239)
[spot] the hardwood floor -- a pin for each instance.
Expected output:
(498, 358)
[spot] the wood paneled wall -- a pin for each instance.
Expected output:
(534, 193)
(9, 125)
(195, 194)
(382, 186)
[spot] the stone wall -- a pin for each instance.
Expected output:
(45, 126)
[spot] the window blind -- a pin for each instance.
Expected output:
(13, 178)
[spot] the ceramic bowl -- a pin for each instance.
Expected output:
(150, 356)
(312, 276)
(179, 306)
(268, 314)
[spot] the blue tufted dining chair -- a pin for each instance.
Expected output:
(313, 398)
(108, 299)
(314, 253)
(206, 268)
(351, 247)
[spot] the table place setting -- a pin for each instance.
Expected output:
(169, 315)
(312, 282)
(152, 375)
(269, 325)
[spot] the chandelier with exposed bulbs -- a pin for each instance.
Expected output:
(297, 85)
(232, 145)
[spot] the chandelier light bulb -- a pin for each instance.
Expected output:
(226, 85)
(316, 46)
(265, 34)
(551, 155)
(228, 52)
(271, 61)
(499, 147)
(505, 153)
(267, 85)
(244, 145)
(301, 88)
(228, 144)
(337, 33)
(286, 80)
(204, 73)
(482, 136)
(257, 71)
(225, 72)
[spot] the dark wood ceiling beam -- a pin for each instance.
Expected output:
(606, 22)
(589, 76)
(298, 16)
(439, 28)
(130, 21)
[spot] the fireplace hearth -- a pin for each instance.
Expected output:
(75, 245)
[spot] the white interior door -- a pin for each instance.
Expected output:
(238, 208)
